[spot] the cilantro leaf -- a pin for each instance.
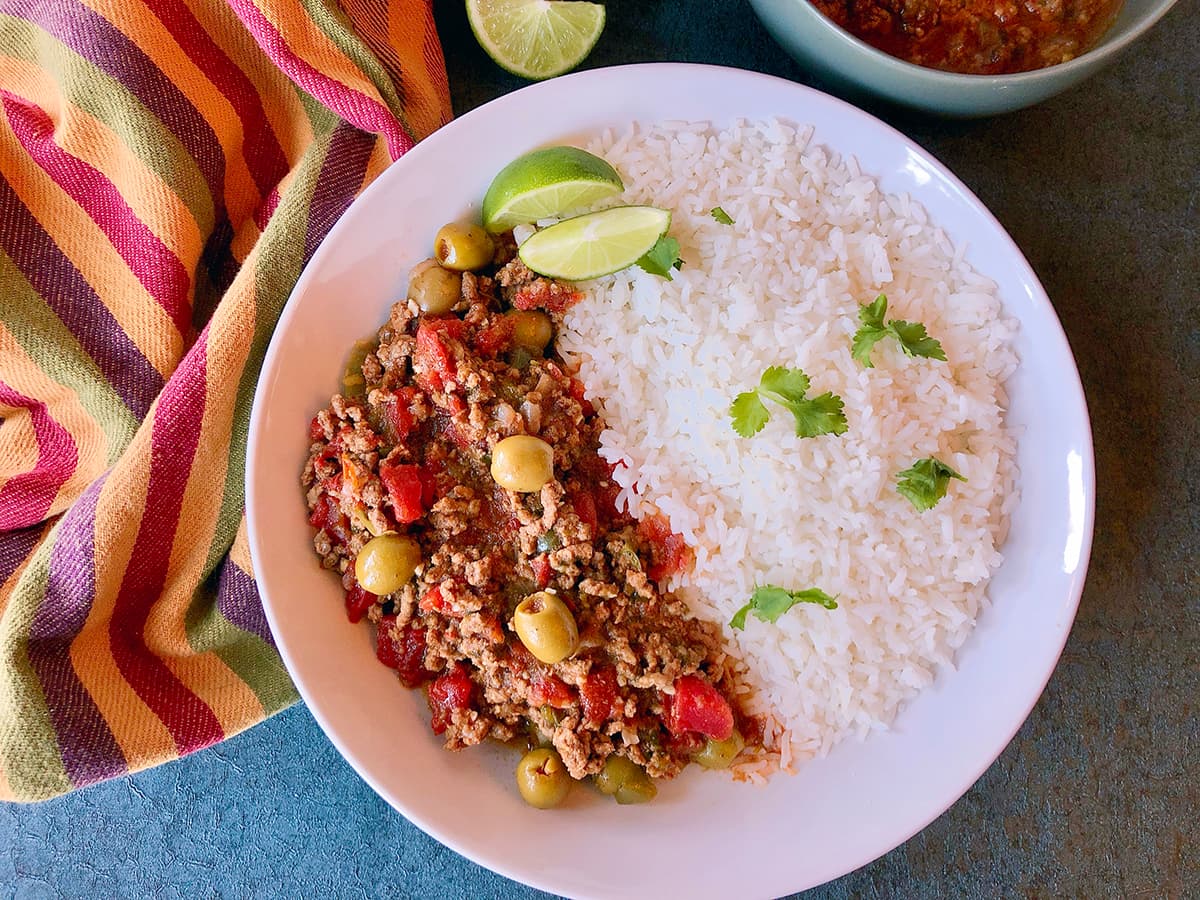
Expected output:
(820, 415)
(721, 216)
(925, 483)
(748, 413)
(871, 331)
(865, 340)
(769, 602)
(784, 385)
(914, 341)
(872, 314)
(662, 257)
(787, 387)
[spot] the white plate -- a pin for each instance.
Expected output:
(704, 835)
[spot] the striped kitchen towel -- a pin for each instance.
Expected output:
(167, 167)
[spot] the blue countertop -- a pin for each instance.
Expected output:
(1096, 796)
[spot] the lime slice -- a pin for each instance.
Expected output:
(595, 244)
(545, 183)
(536, 38)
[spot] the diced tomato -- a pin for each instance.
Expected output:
(599, 696)
(576, 389)
(447, 693)
(431, 600)
(327, 516)
(674, 556)
(398, 417)
(698, 706)
(339, 531)
(429, 479)
(548, 295)
(606, 495)
(669, 553)
(597, 474)
(315, 431)
(432, 358)
(358, 601)
(496, 338)
(403, 650)
(520, 660)
(550, 690)
(541, 569)
(404, 486)
(325, 512)
(387, 650)
(585, 507)
(332, 451)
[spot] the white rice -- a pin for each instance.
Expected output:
(813, 239)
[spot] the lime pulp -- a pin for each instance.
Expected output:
(536, 39)
(595, 244)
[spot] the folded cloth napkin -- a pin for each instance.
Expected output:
(167, 167)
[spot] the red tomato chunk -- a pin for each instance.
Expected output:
(432, 359)
(549, 690)
(404, 485)
(670, 553)
(599, 695)
(698, 706)
(402, 650)
(399, 419)
(447, 693)
(548, 295)
(358, 601)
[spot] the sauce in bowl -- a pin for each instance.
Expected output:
(976, 37)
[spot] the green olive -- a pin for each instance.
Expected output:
(532, 328)
(353, 382)
(542, 778)
(522, 463)
(719, 754)
(637, 790)
(624, 779)
(463, 248)
(386, 563)
(435, 290)
(546, 627)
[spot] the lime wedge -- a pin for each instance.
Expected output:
(595, 244)
(545, 183)
(536, 38)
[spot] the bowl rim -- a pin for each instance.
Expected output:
(885, 63)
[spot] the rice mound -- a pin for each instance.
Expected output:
(813, 239)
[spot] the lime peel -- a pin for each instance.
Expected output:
(545, 183)
(595, 244)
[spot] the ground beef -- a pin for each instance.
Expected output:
(439, 393)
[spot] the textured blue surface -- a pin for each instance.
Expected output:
(1097, 796)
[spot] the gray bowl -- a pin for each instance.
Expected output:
(854, 66)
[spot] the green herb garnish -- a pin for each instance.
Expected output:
(925, 483)
(662, 257)
(769, 602)
(911, 335)
(787, 387)
(721, 216)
